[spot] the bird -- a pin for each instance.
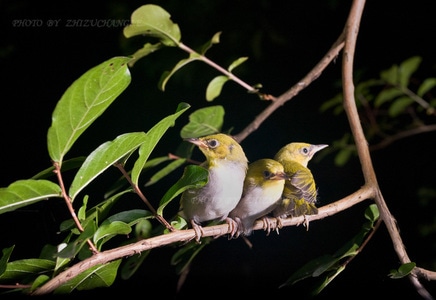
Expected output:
(263, 188)
(227, 166)
(300, 192)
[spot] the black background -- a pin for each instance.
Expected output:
(283, 42)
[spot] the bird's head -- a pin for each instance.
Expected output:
(265, 170)
(218, 147)
(299, 152)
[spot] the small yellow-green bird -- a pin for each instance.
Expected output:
(300, 191)
(263, 188)
(227, 166)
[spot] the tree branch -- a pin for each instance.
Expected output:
(187, 235)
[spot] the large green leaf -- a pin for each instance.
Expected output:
(83, 102)
(26, 192)
(97, 276)
(103, 157)
(204, 121)
(152, 20)
(152, 138)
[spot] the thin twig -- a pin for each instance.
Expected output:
(143, 198)
(69, 204)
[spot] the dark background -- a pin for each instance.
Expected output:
(283, 42)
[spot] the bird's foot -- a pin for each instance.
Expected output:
(306, 222)
(268, 225)
(279, 225)
(233, 228)
(198, 231)
(235, 225)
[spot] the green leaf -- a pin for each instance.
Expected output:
(403, 271)
(204, 121)
(407, 68)
(103, 157)
(372, 213)
(132, 264)
(5, 258)
(81, 215)
(327, 267)
(183, 258)
(97, 276)
(214, 40)
(130, 217)
(335, 102)
(327, 279)
(387, 95)
(165, 171)
(399, 106)
(39, 281)
(122, 182)
(144, 51)
(236, 63)
(215, 86)
(83, 102)
(75, 246)
(69, 164)
(152, 138)
(426, 86)
(193, 177)
(22, 193)
(108, 230)
(152, 20)
(343, 157)
(308, 269)
(390, 75)
(168, 74)
(20, 269)
(98, 212)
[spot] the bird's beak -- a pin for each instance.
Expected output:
(279, 176)
(197, 142)
(316, 148)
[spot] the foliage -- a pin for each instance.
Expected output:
(391, 106)
(82, 103)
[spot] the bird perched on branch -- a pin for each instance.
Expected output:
(227, 166)
(300, 191)
(263, 188)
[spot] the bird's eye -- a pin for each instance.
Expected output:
(266, 174)
(305, 150)
(213, 143)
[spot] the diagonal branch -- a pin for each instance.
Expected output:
(294, 90)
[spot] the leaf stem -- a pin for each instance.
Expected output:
(231, 76)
